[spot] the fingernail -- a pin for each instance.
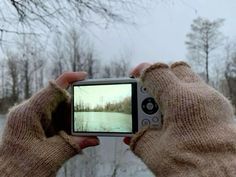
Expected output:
(127, 140)
(95, 142)
(88, 143)
(82, 72)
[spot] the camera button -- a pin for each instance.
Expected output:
(149, 106)
(145, 122)
(143, 89)
(155, 119)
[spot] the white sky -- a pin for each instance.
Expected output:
(160, 33)
(101, 94)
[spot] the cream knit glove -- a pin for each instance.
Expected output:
(25, 149)
(198, 136)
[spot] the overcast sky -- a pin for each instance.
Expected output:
(160, 32)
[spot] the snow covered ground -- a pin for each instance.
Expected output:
(110, 158)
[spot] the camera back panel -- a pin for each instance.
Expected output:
(149, 113)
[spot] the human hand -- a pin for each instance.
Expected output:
(26, 150)
(198, 120)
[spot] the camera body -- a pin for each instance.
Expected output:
(112, 107)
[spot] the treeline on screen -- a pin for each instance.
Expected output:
(123, 106)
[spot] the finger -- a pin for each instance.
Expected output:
(127, 140)
(138, 70)
(158, 78)
(79, 142)
(184, 72)
(66, 78)
(84, 142)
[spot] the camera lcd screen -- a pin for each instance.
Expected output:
(103, 108)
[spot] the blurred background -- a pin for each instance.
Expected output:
(39, 40)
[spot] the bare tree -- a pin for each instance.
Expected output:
(30, 63)
(107, 73)
(2, 78)
(116, 68)
(38, 72)
(80, 53)
(26, 76)
(28, 15)
(204, 38)
(6, 93)
(120, 67)
(13, 71)
(58, 56)
(74, 49)
(91, 63)
(42, 11)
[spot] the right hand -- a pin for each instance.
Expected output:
(197, 120)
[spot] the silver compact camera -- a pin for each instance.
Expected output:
(112, 107)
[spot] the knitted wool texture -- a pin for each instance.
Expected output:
(25, 149)
(198, 136)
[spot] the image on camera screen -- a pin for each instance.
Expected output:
(103, 108)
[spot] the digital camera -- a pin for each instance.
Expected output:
(112, 107)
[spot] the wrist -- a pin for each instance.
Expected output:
(34, 157)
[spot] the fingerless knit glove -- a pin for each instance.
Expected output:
(198, 136)
(25, 149)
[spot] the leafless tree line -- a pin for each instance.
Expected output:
(27, 67)
(21, 73)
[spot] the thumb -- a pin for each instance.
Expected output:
(57, 149)
(85, 142)
(79, 142)
(62, 147)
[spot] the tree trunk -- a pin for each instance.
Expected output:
(207, 67)
(3, 81)
(27, 79)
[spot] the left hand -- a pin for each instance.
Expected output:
(26, 150)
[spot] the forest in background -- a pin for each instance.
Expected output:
(29, 66)
(123, 106)
(28, 61)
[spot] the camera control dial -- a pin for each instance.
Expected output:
(149, 106)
